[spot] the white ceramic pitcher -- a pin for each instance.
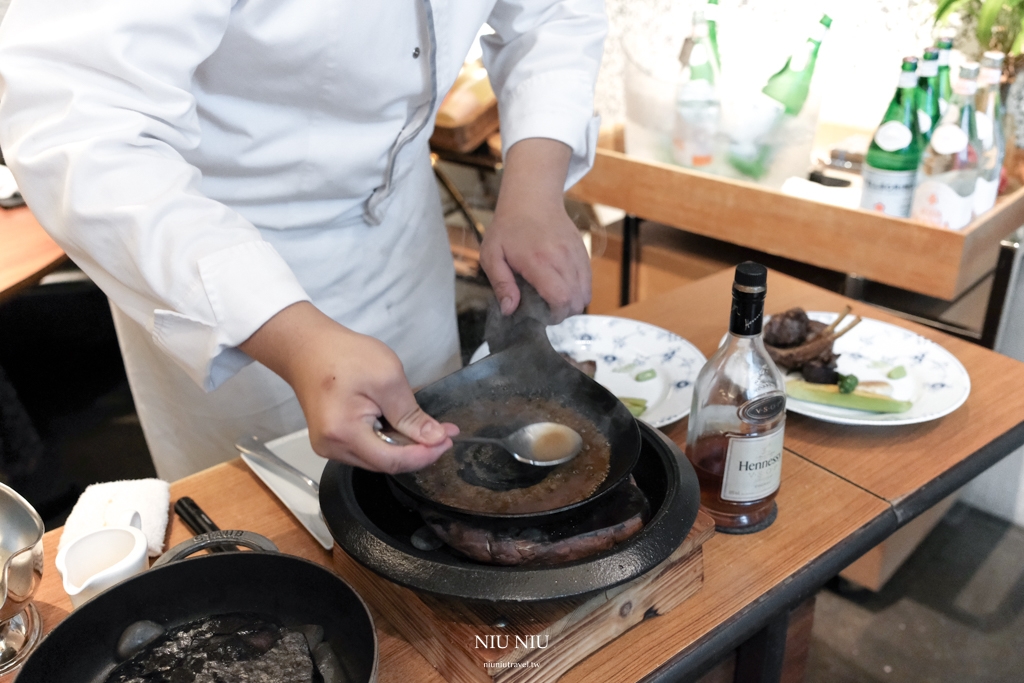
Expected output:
(99, 559)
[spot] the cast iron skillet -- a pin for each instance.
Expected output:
(528, 367)
(175, 591)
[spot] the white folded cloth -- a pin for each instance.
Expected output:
(113, 503)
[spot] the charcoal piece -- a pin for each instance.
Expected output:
(328, 665)
(137, 636)
(425, 539)
(314, 634)
(244, 648)
(787, 329)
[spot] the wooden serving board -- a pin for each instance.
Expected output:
(479, 643)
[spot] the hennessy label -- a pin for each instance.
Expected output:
(753, 467)
(763, 408)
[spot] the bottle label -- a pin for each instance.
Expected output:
(762, 409)
(753, 467)
(949, 139)
(908, 79)
(965, 87)
(890, 192)
(893, 135)
(924, 122)
(802, 57)
(989, 76)
(696, 124)
(938, 204)
(985, 192)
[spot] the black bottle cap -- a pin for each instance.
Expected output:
(750, 274)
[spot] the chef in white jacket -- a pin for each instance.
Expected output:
(250, 180)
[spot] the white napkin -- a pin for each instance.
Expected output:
(113, 503)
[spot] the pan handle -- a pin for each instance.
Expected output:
(216, 539)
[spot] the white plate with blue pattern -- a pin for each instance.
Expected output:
(936, 382)
(633, 359)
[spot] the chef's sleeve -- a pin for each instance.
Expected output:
(95, 113)
(543, 59)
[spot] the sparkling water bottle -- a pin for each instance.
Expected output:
(948, 174)
(890, 167)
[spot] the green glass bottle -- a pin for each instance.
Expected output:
(890, 167)
(792, 83)
(928, 111)
(945, 45)
(711, 16)
(751, 149)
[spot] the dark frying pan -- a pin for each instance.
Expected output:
(81, 649)
(527, 367)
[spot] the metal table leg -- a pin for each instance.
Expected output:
(630, 248)
(759, 659)
(1000, 286)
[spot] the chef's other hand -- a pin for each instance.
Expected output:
(532, 235)
(344, 381)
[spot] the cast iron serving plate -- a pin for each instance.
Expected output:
(372, 526)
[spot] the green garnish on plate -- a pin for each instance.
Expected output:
(645, 375)
(828, 394)
(636, 406)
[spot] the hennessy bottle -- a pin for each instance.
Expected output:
(738, 415)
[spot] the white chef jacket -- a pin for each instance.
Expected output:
(164, 145)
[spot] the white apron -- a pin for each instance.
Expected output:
(393, 281)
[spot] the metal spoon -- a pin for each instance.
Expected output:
(544, 444)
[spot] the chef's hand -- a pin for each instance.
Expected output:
(532, 235)
(344, 381)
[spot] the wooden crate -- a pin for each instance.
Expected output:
(895, 251)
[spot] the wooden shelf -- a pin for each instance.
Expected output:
(895, 251)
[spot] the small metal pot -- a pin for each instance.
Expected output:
(21, 555)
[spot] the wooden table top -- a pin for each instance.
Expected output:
(894, 463)
(817, 511)
(27, 252)
(830, 508)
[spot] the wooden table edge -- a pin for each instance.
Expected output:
(33, 278)
(913, 504)
(707, 651)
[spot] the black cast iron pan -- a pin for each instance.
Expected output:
(526, 367)
(81, 649)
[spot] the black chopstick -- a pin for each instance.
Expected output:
(196, 520)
